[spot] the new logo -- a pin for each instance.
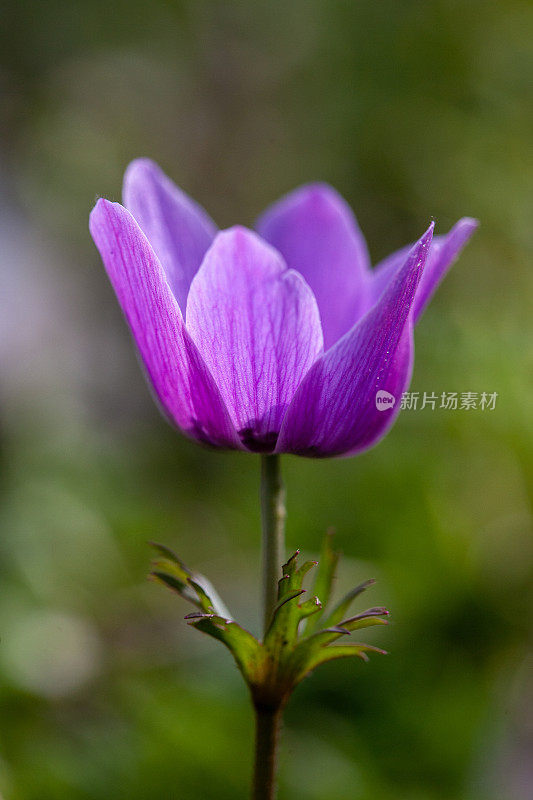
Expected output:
(384, 400)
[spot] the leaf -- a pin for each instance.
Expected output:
(284, 624)
(342, 607)
(274, 667)
(304, 569)
(245, 648)
(285, 599)
(292, 575)
(327, 566)
(326, 654)
(192, 586)
(207, 588)
(203, 597)
(176, 585)
(372, 616)
(286, 617)
(310, 647)
(290, 567)
(311, 606)
(365, 619)
(169, 554)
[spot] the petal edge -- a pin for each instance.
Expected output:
(179, 230)
(335, 410)
(177, 374)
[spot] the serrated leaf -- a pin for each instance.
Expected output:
(274, 667)
(283, 585)
(342, 607)
(289, 568)
(327, 566)
(286, 599)
(286, 617)
(284, 624)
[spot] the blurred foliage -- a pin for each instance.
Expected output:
(411, 109)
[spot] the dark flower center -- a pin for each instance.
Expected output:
(259, 442)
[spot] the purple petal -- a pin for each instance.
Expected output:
(177, 373)
(443, 252)
(441, 257)
(317, 234)
(178, 229)
(257, 326)
(334, 411)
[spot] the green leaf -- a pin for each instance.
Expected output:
(309, 648)
(169, 554)
(292, 575)
(365, 619)
(176, 585)
(192, 586)
(274, 667)
(326, 654)
(311, 606)
(327, 566)
(320, 639)
(372, 616)
(290, 567)
(285, 599)
(342, 607)
(205, 586)
(245, 648)
(287, 614)
(304, 569)
(283, 585)
(283, 627)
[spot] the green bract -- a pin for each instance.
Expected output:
(301, 635)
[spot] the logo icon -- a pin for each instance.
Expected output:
(384, 400)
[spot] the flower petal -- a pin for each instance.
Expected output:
(441, 257)
(334, 411)
(177, 373)
(257, 326)
(178, 229)
(443, 252)
(317, 234)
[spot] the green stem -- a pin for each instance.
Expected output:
(267, 728)
(268, 716)
(273, 523)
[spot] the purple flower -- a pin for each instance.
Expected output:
(275, 341)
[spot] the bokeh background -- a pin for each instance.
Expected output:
(412, 110)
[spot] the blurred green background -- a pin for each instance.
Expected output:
(412, 110)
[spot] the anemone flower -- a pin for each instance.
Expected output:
(282, 340)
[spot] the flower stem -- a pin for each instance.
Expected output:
(267, 727)
(268, 715)
(273, 523)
